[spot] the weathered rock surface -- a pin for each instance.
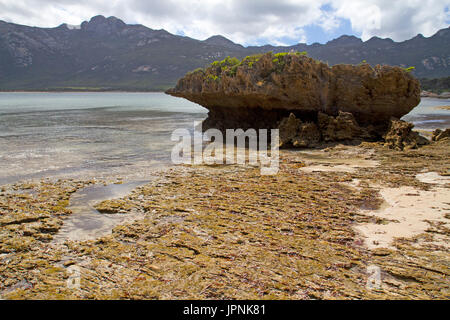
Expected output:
(401, 137)
(260, 91)
(295, 133)
(113, 206)
(439, 134)
(343, 127)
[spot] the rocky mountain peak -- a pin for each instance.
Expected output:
(103, 26)
(345, 40)
(443, 33)
(218, 40)
(379, 41)
(418, 37)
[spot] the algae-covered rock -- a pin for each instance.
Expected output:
(113, 206)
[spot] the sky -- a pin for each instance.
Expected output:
(248, 22)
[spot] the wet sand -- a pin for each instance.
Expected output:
(408, 212)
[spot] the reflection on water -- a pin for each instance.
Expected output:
(86, 223)
(84, 135)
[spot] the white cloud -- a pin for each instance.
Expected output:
(249, 22)
(244, 21)
(399, 20)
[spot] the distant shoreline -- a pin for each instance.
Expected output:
(80, 91)
(424, 94)
(429, 94)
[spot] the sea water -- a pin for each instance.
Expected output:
(86, 135)
(101, 135)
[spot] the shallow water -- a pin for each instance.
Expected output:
(75, 135)
(428, 115)
(104, 135)
(85, 222)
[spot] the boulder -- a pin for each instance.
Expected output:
(298, 134)
(289, 129)
(401, 137)
(308, 136)
(439, 134)
(340, 128)
(295, 133)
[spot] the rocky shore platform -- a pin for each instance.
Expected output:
(344, 222)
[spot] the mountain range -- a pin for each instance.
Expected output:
(107, 54)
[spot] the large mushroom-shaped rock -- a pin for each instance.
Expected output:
(261, 90)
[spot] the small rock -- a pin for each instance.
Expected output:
(69, 263)
(308, 136)
(113, 206)
(438, 134)
(343, 127)
(295, 133)
(154, 268)
(400, 136)
(381, 252)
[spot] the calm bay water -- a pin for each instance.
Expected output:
(76, 135)
(81, 135)
(428, 116)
